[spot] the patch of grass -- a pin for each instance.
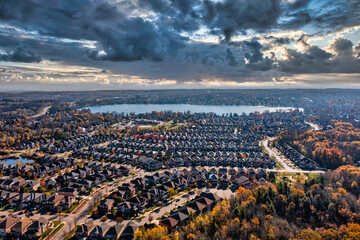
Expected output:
(57, 229)
(56, 223)
(47, 232)
(3, 207)
(72, 208)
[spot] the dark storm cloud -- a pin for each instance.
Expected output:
(112, 35)
(21, 54)
(181, 15)
(137, 40)
(317, 60)
(230, 57)
(232, 16)
(120, 37)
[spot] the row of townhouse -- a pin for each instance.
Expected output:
(34, 201)
(23, 228)
(202, 203)
(89, 230)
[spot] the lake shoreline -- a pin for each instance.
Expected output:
(217, 109)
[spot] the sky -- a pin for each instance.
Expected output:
(56, 45)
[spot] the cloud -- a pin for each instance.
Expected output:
(21, 54)
(317, 60)
(322, 15)
(121, 37)
(136, 39)
(232, 16)
(342, 47)
(230, 57)
(181, 40)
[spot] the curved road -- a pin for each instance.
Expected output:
(273, 152)
(314, 126)
(42, 112)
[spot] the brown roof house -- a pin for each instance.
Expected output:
(6, 224)
(37, 227)
(84, 229)
(20, 227)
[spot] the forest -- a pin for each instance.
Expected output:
(320, 207)
(330, 148)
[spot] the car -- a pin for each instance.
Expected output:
(177, 200)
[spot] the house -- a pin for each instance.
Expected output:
(153, 165)
(37, 227)
(83, 231)
(7, 184)
(51, 183)
(213, 179)
(98, 232)
(197, 206)
(169, 222)
(20, 227)
(68, 191)
(129, 230)
(17, 185)
(180, 217)
(7, 224)
(33, 185)
(54, 201)
(8, 197)
(127, 209)
(106, 205)
(33, 199)
(114, 232)
(240, 182)
(211, 196)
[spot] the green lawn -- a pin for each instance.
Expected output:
(56, 223)
(44, 234)
(3, 207)
(57, 229)
(72, 208)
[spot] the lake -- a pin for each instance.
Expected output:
(13, 161)
(147, 108)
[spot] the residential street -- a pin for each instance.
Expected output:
(273, 152)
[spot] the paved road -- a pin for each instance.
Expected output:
(313, 126)
(273, 152)
(42, 112)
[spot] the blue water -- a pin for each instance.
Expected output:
(147, 108)
(13, 161)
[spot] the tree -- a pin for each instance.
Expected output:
(172, 192)
(308, 234)
(158, 233)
